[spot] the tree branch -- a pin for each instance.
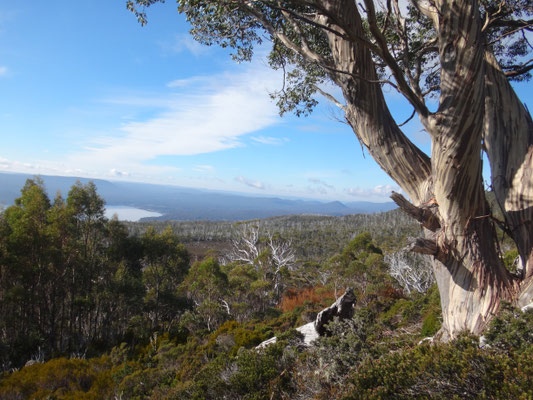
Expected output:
(515, 70)
(423, 214)
(423, 246)
(330, 98)
(403, 86)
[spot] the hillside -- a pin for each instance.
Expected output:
(186, 204)
(94, 308)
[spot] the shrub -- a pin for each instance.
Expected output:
(511, 330)
(60, 378)
(430, 325)
(297, 298)
(458, 370)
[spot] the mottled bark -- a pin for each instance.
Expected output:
(460, 234)
(366, 109)
(508, 140)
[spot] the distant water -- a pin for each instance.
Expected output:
(125, 213)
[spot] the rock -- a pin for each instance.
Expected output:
(309, 332)
(342, 308)
(267, 342)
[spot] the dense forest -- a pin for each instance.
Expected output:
(93, 308)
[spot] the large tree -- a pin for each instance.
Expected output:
(462, 53)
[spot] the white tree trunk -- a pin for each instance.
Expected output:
(470, 274)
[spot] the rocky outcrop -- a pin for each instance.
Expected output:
(342, 308)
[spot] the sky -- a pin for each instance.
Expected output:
(86, 91)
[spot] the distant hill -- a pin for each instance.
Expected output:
(186, 204)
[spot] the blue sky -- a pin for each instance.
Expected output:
(86, 91)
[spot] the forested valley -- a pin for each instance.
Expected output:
(94, 308)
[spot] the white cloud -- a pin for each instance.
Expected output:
(211, 118)
(3, 70)
(247, 182)
(269, 140)
(116, 172)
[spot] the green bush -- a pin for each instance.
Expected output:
(430, 325)
(60, 378)
(458, 370)
(511, 330)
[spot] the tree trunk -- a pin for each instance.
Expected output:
(508, 139)
(470, 274)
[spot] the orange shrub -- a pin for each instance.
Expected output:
(318, 295)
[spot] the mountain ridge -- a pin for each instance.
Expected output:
(182, 203)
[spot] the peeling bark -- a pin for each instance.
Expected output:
(508, 140)
(447, 190)
(366, 110)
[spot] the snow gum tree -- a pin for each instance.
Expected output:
(463, 54)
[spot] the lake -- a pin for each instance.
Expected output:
(125, 213)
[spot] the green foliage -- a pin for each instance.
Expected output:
(206, 284)
(360, 265)
(511, 330)
(458, 370)
(60, 379)
(129, 292)
(348, 344)
(72, 281)
(509, 259)
(407, 311)
(262, 374)
(430, 325)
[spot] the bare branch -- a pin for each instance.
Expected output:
(330, 98)
(405, 89)
(511, 32)
(408, 119)
(423, 246)
(424, 215)
(515, 70)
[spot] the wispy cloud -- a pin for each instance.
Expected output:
(184, 42)
(3, 70)
(181, 83)
(210, 118)
(381, 192)
(320, 182)
(250, 183)
(313, 190)
(269, 140)
(204, 168)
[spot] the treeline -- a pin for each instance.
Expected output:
(314, 237)
(74, 282)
